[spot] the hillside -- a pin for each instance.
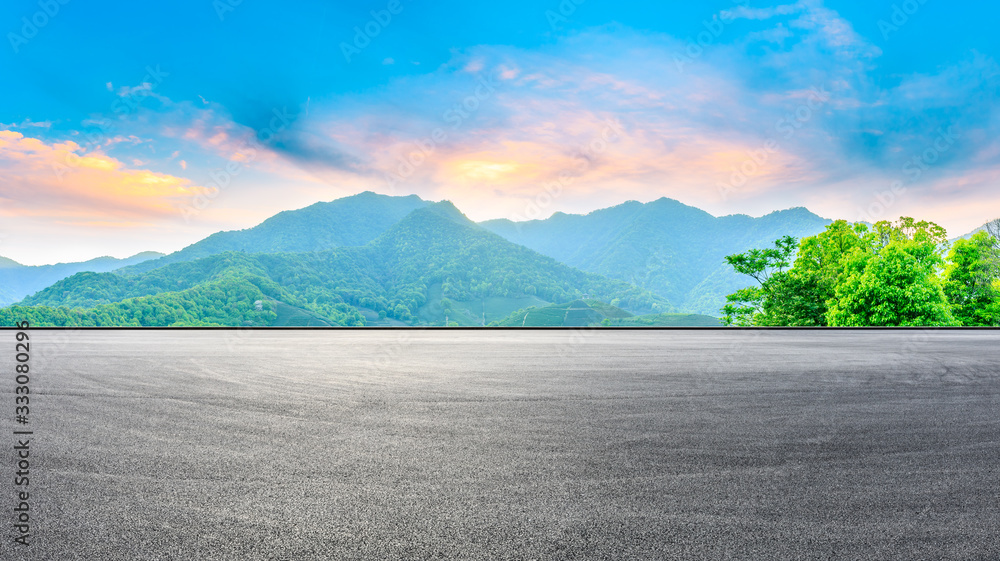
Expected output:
(347, 222)
(669, 248)
(18, 281)
(665, 320)
(578, 313)
(419, 271)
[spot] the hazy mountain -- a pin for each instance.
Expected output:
(995, 223)
(434, 263)
(18, 281)
(347, 222)
(672, 249)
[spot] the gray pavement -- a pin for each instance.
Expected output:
(509, 445)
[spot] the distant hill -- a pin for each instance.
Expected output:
(347, 222)
(18, 281)
(418, 271)
(996, 226)
(665, 320)
(578, 313)
(594, 313)
(669, 248)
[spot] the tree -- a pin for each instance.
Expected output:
(850, 274)
(745, 306)
(972, 280)
(891, 280)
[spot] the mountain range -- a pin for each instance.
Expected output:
(18, 281)
(372, 259)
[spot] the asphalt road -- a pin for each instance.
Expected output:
(508, 445)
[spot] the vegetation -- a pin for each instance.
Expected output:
(860, 275)
(577, 313)
(389, 277)
(18, 281)
(664, 320)
(671, 249)
(972, 279)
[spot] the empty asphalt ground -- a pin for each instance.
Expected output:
(463, 445)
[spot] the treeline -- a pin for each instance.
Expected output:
(229, 301)
(887, 274)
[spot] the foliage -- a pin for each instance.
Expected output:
(744, 306)
(664, 320)
(972, 280)
(850, 275)
(390, 276)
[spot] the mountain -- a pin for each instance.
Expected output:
(578, 313)
(18, 281)
(433, 264)
(347, 222)
(993, 225)
(671, 249)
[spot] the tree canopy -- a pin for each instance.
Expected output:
(886, 274)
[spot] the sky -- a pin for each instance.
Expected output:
(127, 127)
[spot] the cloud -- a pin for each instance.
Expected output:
(27, 123)
(63, 181)
(779, 113)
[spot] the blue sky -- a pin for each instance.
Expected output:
(126, 127)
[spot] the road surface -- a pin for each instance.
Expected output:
(681, 444)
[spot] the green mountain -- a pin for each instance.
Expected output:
(665, 320)
(578, 313)
(429, 266)
(584, 313)
(669, 248)
(18, 281)
(347, 222)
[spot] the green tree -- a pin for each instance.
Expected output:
(746, 306)
(972, 280)
(892, 280)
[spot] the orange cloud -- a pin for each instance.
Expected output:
(61, 180)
